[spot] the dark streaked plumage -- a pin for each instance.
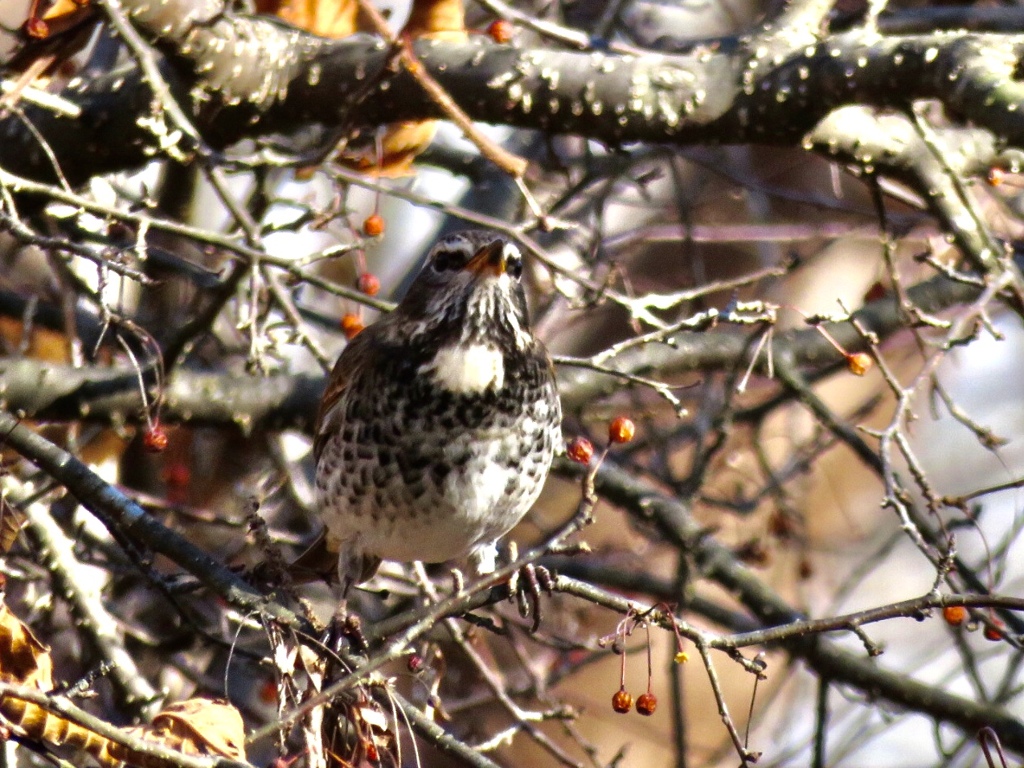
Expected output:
(439, 422)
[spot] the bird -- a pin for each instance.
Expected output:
(439, 421)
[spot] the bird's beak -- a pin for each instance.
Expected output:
(489, 260)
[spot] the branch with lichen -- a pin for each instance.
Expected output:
(774, 86)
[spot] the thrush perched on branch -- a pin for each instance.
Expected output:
(439, 422)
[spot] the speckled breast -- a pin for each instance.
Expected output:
(418, 472)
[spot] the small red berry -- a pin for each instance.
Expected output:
(501, 31)
(783, 525)
(67, 68)
(351, 325)
(177, 474)
(37, 28)
(622, 702)
(875, 292)
(118, 230)
(268, 692)
(580, 450)
(621, 430)
(371, 752)
(368, 284)
(374, 225)
(154, 439)
(994, 630)
(806, 569)
(955, 615)
(754, 552)
(646, 703)
(415, 663)
(859, 363)
(996, 176)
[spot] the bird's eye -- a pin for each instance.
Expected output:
(446, 261)
(442, 261)
(514, 267)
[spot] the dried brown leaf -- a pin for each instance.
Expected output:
(24, 660)
(327, 18)
(11, 523)
(193, 727)
(436, 20)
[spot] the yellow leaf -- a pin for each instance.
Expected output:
(436, 20)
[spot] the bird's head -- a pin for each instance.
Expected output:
(468, 289)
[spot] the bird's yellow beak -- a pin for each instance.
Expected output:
(489, 260)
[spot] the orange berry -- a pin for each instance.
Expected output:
(955, 615)
(368, 284)
(875, 292)
(37, 28)
(351, 325)
(622, 702)
(996, 176)
(371, 752)
(177, 474)
(621, 430)
(374, 225)
(646, 703)
(994, 630)
(501, 31)
(859, 363)
(268, 692)
(580, 450)
(154, 439)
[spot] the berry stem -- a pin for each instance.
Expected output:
(650, 668)
(622, 657)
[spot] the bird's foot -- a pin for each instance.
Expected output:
(345, 627)
(526, 585)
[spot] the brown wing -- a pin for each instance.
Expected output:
(347, 369)
(317, 562)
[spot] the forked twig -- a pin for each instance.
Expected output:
(513, 165)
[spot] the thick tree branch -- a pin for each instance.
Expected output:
(123, 516)
(111, 395)
(59, 393)
(245, 77)
(82, 593)
(868, 140)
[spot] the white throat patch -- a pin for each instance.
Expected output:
(463, 369)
